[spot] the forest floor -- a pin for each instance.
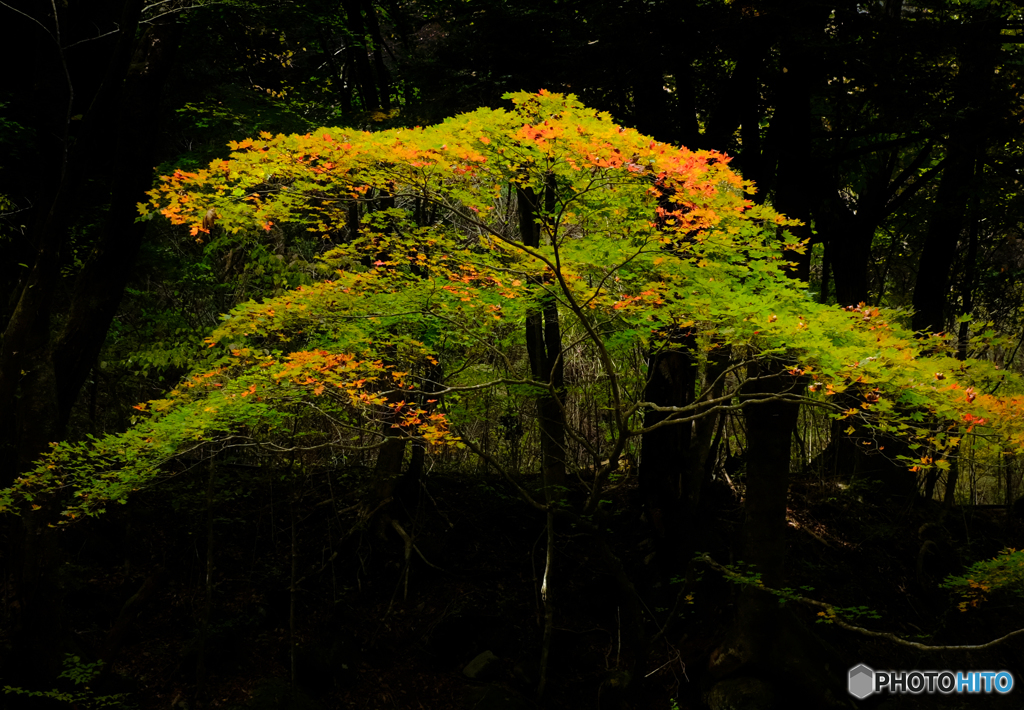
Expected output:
(372, 630)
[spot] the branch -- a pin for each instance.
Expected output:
(897, 201)
(859, 629)
(91, 39)
(25, 14)
(701, 413)
(174, 11)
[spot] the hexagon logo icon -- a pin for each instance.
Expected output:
(862, 681)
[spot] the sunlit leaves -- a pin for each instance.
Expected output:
(1001, 575)
(429, 273)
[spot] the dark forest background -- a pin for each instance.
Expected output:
(893, 130)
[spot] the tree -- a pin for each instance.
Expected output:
(527, 255)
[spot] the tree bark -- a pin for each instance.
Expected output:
(665, 452)
(359, 57)
(383, 75)
(977, 56)
(770, 427)
(544, 350)
(793, 189)
(101, 284)
(768, 640)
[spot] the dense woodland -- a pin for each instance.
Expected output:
(509, 354)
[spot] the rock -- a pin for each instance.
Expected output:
(741, 694)
(481, 667)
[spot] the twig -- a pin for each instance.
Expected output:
(91, 39)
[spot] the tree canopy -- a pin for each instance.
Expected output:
(424, 298)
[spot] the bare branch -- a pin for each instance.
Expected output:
(93, 39)
(25, 14)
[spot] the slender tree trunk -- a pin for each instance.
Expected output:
(547, 367)
(650, 101)
(848, 250)
(388, 466)
(387, 469)
(698, 468)
(794, 191)
(741, 96)
(40, 379)
(686, 101)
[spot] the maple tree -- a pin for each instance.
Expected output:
(539, 256)
(639, 239)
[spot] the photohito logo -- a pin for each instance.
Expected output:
(864, 681)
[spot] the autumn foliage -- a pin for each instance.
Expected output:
(426, 281)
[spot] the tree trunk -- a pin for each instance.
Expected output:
(359, 57)
(768, 640)
(848, 250)
(770, 427)
(665, 452)
(383, 75)
(932, 285)
(794, 190)
(978, 56)
(544, 349)
(101, 284)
